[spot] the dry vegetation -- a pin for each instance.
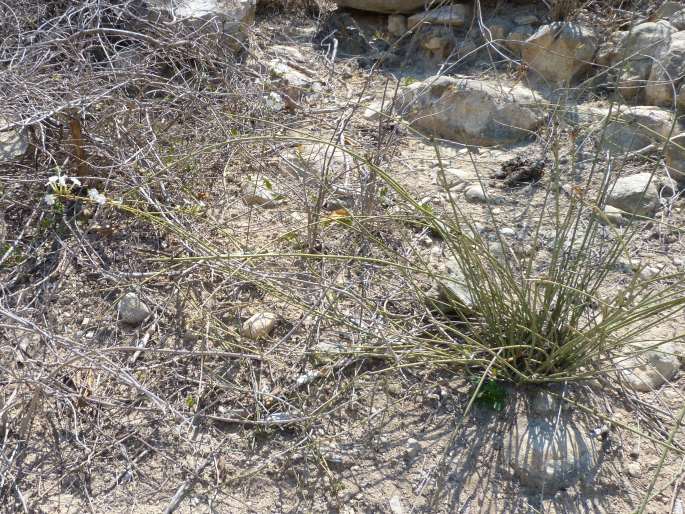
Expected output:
(173, 129)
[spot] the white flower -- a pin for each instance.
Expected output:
(95, 196)
(52, 180)
(62, 181)
(49, 199)
(274, 101)
(75, 181)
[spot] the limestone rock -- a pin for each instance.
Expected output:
(476, 194)
(636, 52)
(674, 155)
(383, 6)
(453, 289)
(635, 194)
(132, 310)
(613, 216)
(470, 111)
(651, 369)
(517, 37)
(668, 9)
(667, 75)
(258, 192)
(634, 128)
(259, 325)
(454, 15)
(13, 142)
(548, 456)
(560, 52)
(397, 25)
(678, 20)
(229, 18)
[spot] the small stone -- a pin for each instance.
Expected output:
(260, 325)
(259, 193)
(649, 273)
(634, 469)
(327, 353)
(547, 455)
(397, 25)
(635, 194)
(507, 231)
(395, 505)
(13, 143)
(526, 19)
(476, 194)
(132, 310)
(651, 369)
(413, 448)
(452, 15)
(613, 216)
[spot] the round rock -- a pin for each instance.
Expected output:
(548, 456)
(651, 369)
(132, 310)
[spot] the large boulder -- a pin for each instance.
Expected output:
(635, 52)
(229, 19)
(472, 112)
(560, 52)
(667, 74)
(383, 6)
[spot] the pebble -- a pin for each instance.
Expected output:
(649, 273)
(395, 505)
(476, 194)
(634, 469)
(260, 325)
(132, 310)
(413, 448)
(507, 231)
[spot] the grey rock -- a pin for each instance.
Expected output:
(613, 216)
(560, 52)
(634, 469)
(258, 192)
(259, 325)
(397, 24)
(668, 9)
(396, 506)
(13, 142)
(472, 112)
(517, 36)
(636, 52)
(674, 155)
(526, 19)
(666, 76)
(651, 369)
(132, 310)
(453, 289)
(383, 6)
(413, 448)
(547, 456)
(635, 194)
(476, 194)
(454, 15)
(678, 20)
(634, 128)
(228, 18)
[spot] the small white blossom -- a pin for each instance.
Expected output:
(62, 181)
(49, 199)
(52, 180)
(97, 197)
(75, 181)
(274, 101)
